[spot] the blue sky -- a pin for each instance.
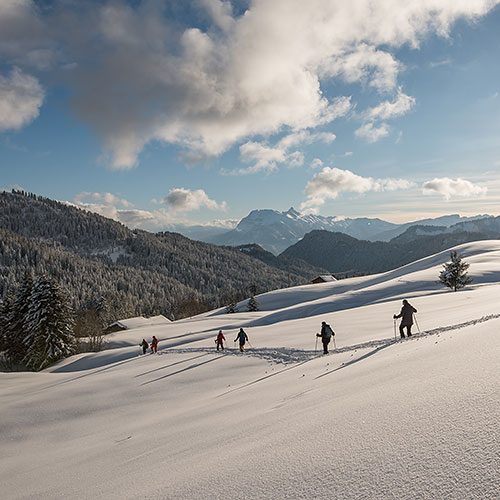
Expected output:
(156, 113)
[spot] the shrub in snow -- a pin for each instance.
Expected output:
(253, 305)
(49, 325)
(454, 274)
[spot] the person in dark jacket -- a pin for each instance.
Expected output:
(407, 318)
(220, 340)
(144, 346)
(326, 335)
(154, 345)
(242, 337)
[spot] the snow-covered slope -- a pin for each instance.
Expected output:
(376, 419)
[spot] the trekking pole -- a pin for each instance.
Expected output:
(395, 336)
(250, 344)
(334, 343)
(416, 322)
(316, 346)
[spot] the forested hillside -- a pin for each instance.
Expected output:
(340, 253)
(138, 272)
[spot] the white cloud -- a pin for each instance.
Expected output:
(105, 198)
(119, 209)
(316, 163)
(138, 78)
(437, 64)
(386, 110)
(451, 188)
(331, 182)
(374, 126)
(21, 97)
(181, 199)
(267, 158)
(372, 133)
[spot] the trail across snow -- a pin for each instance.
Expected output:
(415, 419)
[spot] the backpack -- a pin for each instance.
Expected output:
(329, 332)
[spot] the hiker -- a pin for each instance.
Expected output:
(220, 340)
(144, 346)
(243, 337)
(407, 318)
(154, 345)
(326, 335)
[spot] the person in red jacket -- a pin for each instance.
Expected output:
(220, 340)
(154, 345)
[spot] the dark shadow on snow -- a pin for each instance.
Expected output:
(196, 365)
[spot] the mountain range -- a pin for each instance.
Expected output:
(276, 231)
(341, 253)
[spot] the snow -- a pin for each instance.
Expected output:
(376, 419)
(139, 321)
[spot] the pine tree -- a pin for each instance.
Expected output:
(5, 311)
(232, 307)
(16, 328)
(454, 274)
(253, 305)
(49, 323)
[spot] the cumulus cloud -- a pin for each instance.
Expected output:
(119, 209)
(451, 188)
(21, 97)
(386, 110)
(137, 78)
(371, 132)
(374, 126)
(181, 199)
(331, 182)
(267, 158)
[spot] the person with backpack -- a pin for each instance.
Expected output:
(242, 337)
(220, 340)
(144, 346)
(326, 335)
(407, 318)
(154, 345)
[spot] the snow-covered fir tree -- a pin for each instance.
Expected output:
(232, 307)
(5, 311)
(454, 274)
(16, 327)
(253, 305)
(49, 323)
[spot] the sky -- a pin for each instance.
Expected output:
(158, 113)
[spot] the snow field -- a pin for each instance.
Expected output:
(416, 419)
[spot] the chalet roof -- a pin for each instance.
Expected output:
(325, 278)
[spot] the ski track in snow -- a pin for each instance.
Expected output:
(286, 355)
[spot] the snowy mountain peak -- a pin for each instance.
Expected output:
(276, 231)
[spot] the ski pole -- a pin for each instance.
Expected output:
(316, 346)
(416, 322)
(250, 344)
(334, 343)
(395, 336)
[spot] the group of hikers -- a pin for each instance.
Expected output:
(241, 338)
(326, 334)
(154, 345)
